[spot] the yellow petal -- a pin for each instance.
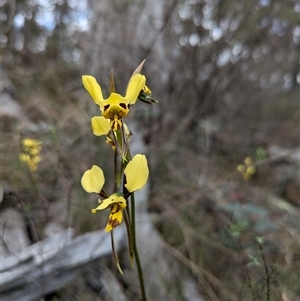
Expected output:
(115, 105)
(91, 85)
(24, 158)
(100, 125)
(251, 170)
(34, 150)
(115, 217)
(137, 173)
(241, 168)
(31, 161)
(115, 99)
(115, 198)
(31, 146)
(248, 160)
(135, 85)
(31, 142)
(93, 180)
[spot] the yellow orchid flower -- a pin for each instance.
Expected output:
(116, 203)
(116, 106)
(136, 173)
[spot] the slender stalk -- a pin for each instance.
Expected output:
(33, 229)
(135, 250)
(248, 277)
(266, 271)
(117, 183)
(125, 148)
(115, 252)
(129, 236)
(130, 212)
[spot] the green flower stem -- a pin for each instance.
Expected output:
(125, 191)
(267, 271)
(135, 250)
(117, 176)
(129, 236)
(131, 217)
(125, 146)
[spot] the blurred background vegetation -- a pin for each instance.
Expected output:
(226, 75)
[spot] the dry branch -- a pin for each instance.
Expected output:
(48, 265)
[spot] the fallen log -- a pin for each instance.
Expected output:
(48, 265)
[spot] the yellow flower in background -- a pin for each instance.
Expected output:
(31, 161)
(248, 161)
(30, 152)
(31, 146)
(136, 176)
(247, 169)
(116, 106)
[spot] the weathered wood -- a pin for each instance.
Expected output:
(48, 265)
(14, 236)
